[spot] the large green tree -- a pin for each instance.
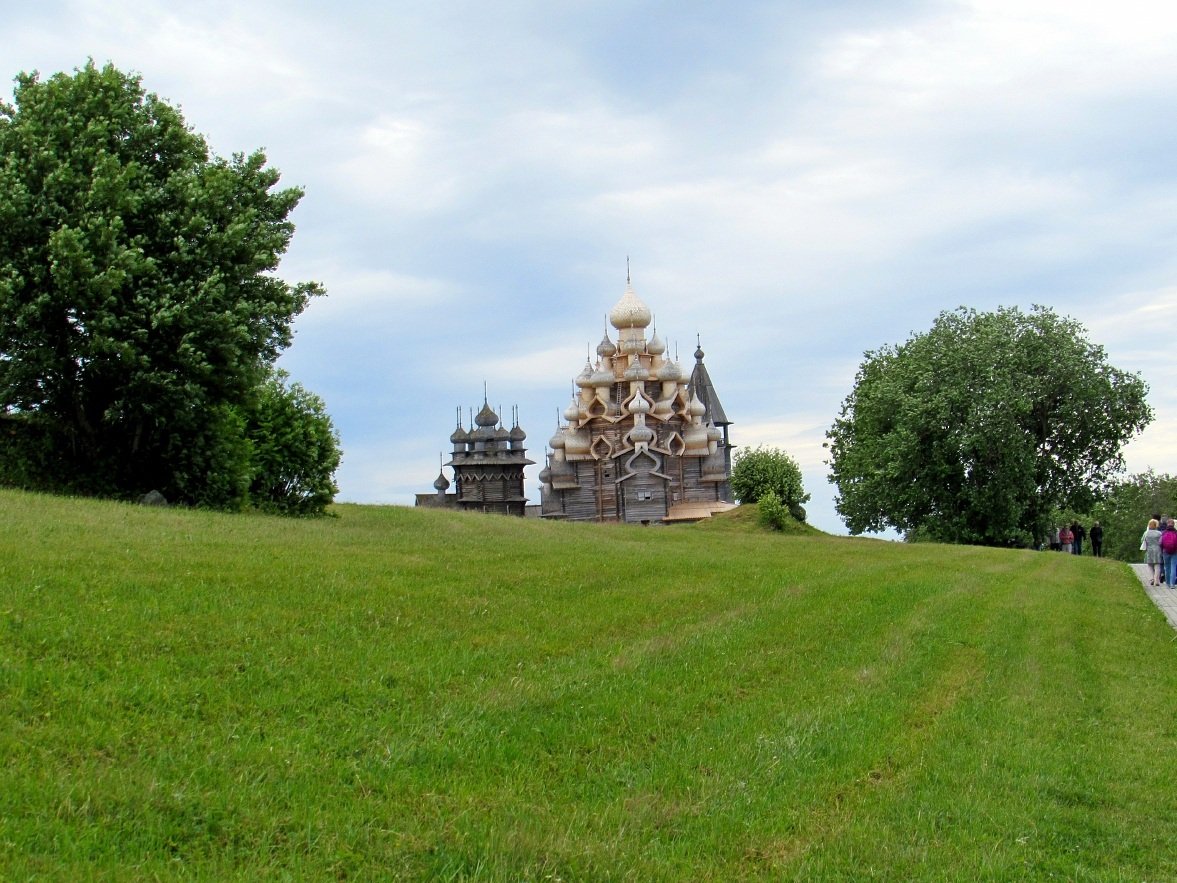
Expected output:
(139, 311)
(978, 429)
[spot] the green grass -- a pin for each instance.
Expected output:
(745, 519)
(393, 693)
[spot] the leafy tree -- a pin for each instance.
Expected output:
(1126, 508)
(295, 449)
(756, 471)
(978, 429)
(139, 312)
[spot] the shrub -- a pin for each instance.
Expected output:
(770, 511)
(758, 470)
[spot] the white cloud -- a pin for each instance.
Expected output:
(1001, 56)
(399, 162)
(801, 438)
(526, 368)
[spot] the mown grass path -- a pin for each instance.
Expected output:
(409, 694)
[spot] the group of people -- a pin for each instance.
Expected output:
(1159, 545)
(1069, 538)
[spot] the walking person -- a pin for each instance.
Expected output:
(1150, 542)
(1169, 553)
(1078, 532)
(1097, 540)
(1054, 546)
(1162, 525)
(1065, 538)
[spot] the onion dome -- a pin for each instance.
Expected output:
(556, 442)
(629, 312)
(486, 417)
(572, 412)
(636, 370)
(670, 371)
(585, 377)
(639, 404)
(699, 352)
(459, 436)
(641, 434)
(441, 483)
(605, 348)
(577, 442)
(656, 345)
(697, 408)
(517, 433)
(603, 376)
(714, 433)
(545, 475)
(502, 434)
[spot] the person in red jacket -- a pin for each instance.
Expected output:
(1065, 538)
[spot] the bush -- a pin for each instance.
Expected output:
(757, 471)
(295, 449)
(771, 512)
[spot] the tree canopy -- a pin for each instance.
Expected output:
(139, 310)
(978, 429)
(1125, 509)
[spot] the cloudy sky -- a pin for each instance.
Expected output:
(796, 182)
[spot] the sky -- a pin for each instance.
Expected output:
(797, 183)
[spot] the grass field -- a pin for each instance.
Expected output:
(393, 693)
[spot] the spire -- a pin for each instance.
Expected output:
(702, 388)
(627, 280)
(517, 435)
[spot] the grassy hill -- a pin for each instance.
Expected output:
(393, 693)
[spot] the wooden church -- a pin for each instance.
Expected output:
(642, 442)
(488, 461)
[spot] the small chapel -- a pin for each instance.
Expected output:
(642, 441)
